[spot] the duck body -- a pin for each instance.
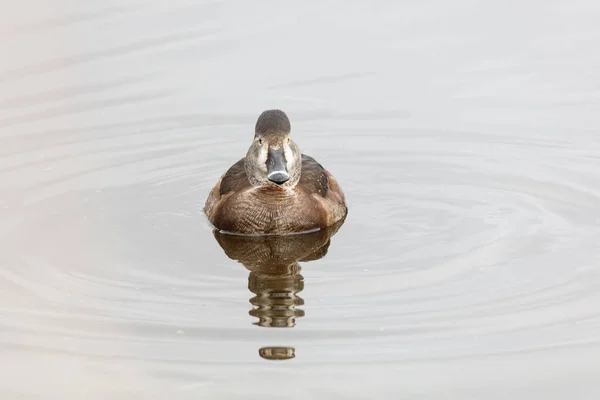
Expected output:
(275, 189)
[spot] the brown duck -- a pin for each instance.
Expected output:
(275, 189)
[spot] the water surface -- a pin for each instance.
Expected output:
(464, 134)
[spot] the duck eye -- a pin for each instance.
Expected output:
(289, 140)
(260, 141)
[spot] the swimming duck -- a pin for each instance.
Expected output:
(275, 189)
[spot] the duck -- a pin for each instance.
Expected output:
(275, 189)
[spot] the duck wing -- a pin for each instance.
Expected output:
(314, 178)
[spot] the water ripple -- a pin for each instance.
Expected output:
(471, 177)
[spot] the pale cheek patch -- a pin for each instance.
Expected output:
(262, 158)
(289, 157)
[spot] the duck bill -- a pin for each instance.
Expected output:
(276, 166)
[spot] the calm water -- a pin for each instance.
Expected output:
(465, 135)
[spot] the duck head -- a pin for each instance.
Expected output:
(273, 158)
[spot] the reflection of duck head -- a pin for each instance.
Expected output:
(277, 353)
(274, 270)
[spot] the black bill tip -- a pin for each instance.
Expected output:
(278, 177)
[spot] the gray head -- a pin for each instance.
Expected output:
(273, 158)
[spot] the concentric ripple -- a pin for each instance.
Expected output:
(468, 266)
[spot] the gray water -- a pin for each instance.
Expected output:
(464, 134)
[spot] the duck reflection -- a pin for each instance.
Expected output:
(277, 297)
(275, 279)
(277, 353)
